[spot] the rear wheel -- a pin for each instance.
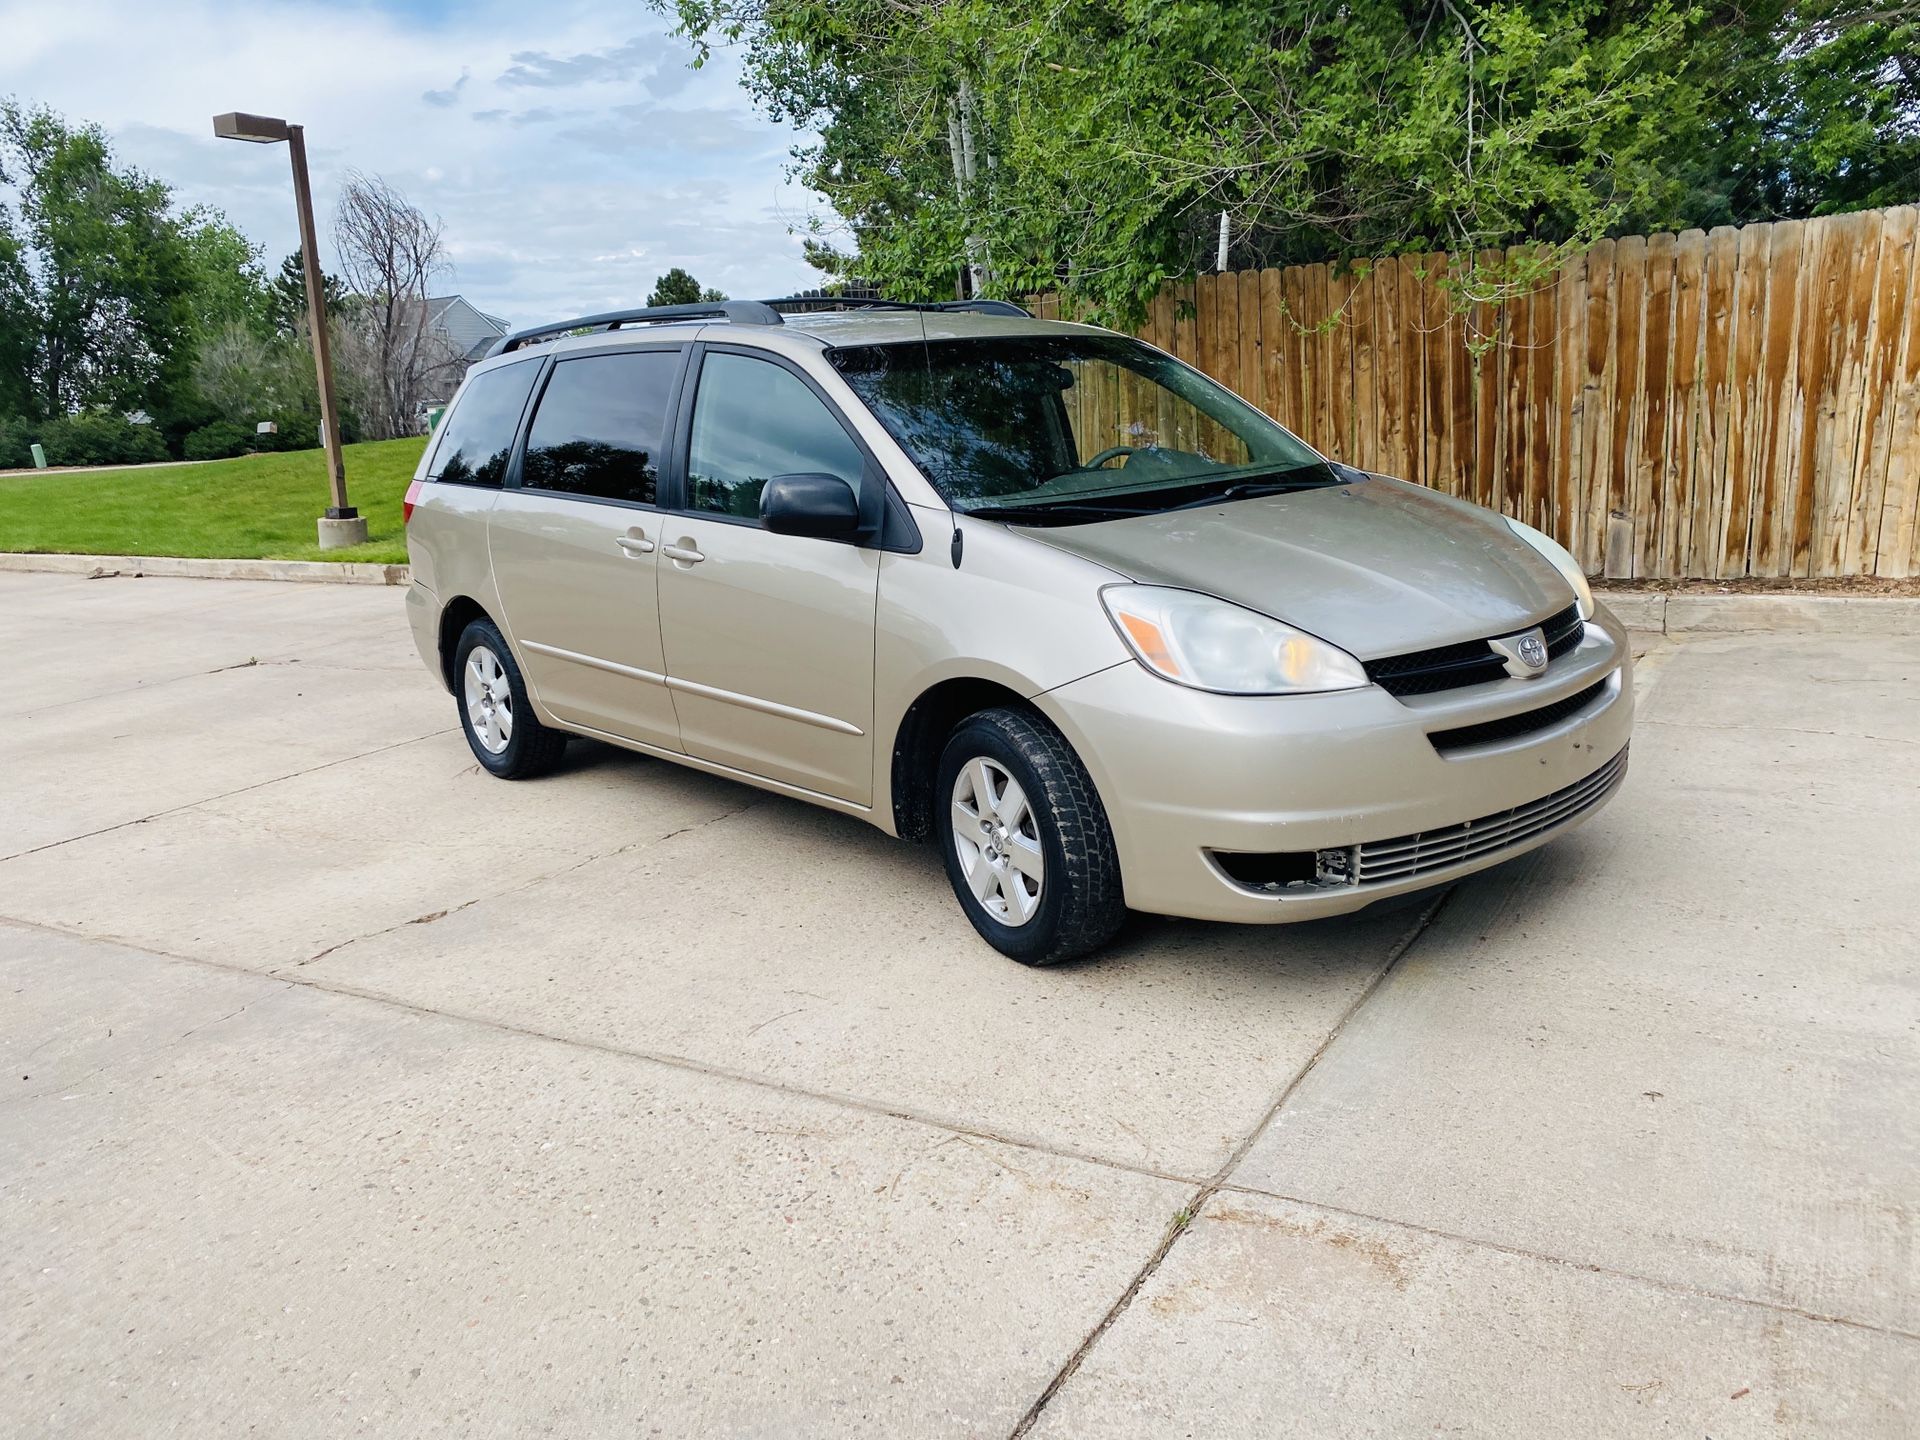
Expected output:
(501, 728)
(1025, 839)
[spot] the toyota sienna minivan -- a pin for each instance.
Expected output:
(1107, 634)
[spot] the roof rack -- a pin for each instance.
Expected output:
(740, 312)
(869, 302)
(744, 312)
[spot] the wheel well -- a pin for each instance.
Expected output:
(923, 731)
(461, 612)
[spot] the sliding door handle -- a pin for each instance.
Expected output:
(685, 553)
(634, 542)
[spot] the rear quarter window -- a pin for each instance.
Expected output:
(600, 426)
(477, 438)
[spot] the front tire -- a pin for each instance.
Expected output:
(1026, 841)
(502, 731)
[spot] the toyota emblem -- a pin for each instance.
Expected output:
(1525, 654)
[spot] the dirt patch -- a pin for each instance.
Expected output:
(1377, 1253)
(1179, 1301)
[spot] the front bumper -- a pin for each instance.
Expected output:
(1187, 776)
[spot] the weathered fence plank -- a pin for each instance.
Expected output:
(1569, 355)
(1678, 498)
(1338, 358)
(1899, 549)
(1747, 419)
(1717, 416)
(1891, 286)
(1366, 433)
(1835, 536)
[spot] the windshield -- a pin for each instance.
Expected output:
(1064, 429)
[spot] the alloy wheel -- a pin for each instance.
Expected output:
(997, 839)
(489, 697)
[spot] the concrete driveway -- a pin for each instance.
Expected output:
(349, 1091)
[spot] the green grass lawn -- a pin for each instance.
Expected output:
(255, 507)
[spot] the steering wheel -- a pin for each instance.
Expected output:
(1112, 452)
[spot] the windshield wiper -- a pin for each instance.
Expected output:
(1057, 510)
(1253, 490)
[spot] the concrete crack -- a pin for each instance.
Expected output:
(71, 1087)
(224, 795)
(34, 711)
(527, 884)
(1187, 1213)
(1590, 1267)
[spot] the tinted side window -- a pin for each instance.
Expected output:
(479, 433)
(600, 426)
(753, 420)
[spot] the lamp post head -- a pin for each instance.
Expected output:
(257, 129)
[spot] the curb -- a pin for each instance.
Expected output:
(176, 567)
(1682, 614)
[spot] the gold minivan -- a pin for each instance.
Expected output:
(1107, 634)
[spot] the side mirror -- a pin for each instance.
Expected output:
(823, 506)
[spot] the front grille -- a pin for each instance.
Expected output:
(1511, 727)
(1563, 631)
(1412, 855)
(1471, 662)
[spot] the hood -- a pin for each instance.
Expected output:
(1377, 567)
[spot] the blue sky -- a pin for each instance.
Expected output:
(568, 148)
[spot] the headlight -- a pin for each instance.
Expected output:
(1194, 639)
(1556, 555)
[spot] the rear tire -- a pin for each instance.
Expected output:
(1025, 839)
(501, 729)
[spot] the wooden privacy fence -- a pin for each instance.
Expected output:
(1740, 402)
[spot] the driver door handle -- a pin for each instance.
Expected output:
(686, 552)
(634, 542)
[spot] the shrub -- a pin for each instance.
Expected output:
(179, 417)
(297, 432)
(217, 441)
(100, 438)
(15, 438)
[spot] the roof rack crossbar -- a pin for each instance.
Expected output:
(739, 312)
(868, 302)
(988, 307)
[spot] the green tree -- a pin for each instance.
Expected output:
(229, 280)
(17, 324)
(108, 277)
(677, 287)
(1816, 110)
(287, 296)
(1092, 145)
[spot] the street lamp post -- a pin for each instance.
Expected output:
(342, 525)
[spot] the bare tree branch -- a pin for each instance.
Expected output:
(391, 254)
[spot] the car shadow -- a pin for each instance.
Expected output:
(1330, 949)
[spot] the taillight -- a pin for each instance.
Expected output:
(413, 499)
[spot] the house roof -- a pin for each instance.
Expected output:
(468, 329)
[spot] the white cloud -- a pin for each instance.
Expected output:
(658, 61)
(536, 134)
(450, 95)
